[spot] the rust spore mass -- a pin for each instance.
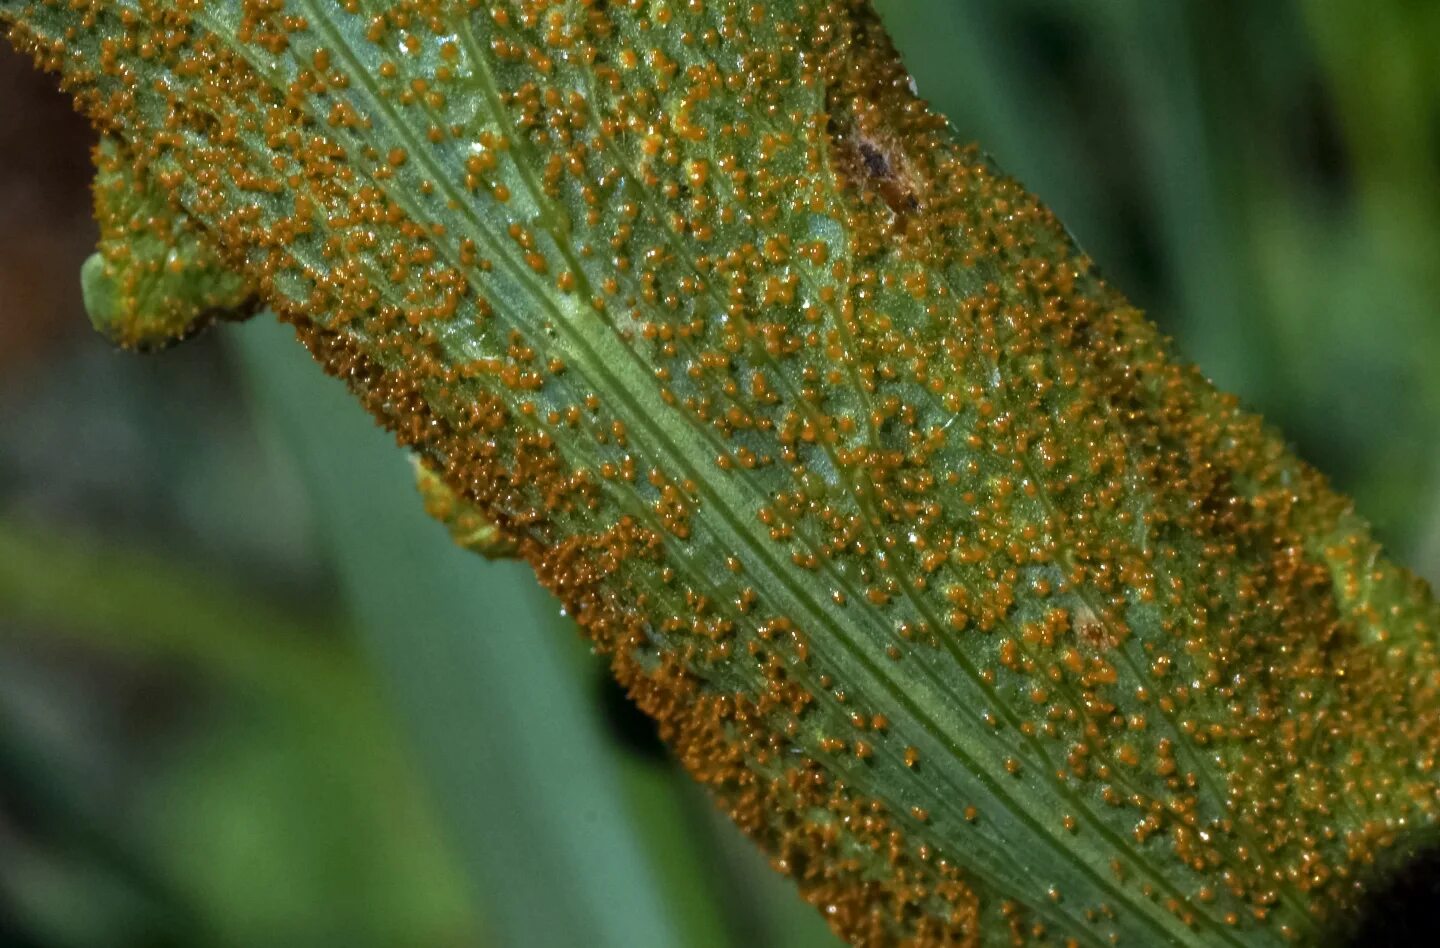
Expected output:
(991, 621)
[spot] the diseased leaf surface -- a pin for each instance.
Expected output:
(989, 620)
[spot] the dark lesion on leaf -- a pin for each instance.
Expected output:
(872, 161)
(877, 166)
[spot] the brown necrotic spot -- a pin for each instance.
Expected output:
(871, 161)
(877, 166)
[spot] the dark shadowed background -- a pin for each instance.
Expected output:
(249, 695)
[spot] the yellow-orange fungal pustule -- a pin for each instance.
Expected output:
(989, 620)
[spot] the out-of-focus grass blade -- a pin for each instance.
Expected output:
(299, 774)
(148, 607)
(1192, 204)
(534, 805)
(692, 895)
(1379, 61)
(89, 874)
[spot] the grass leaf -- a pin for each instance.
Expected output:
(981, 612)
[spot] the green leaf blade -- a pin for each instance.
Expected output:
(987, 618)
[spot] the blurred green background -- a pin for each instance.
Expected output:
(249, 695)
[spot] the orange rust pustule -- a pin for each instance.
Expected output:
(930, 560)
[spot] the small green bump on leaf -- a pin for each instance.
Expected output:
(469, 528)
(154, 280)
(98, 292)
